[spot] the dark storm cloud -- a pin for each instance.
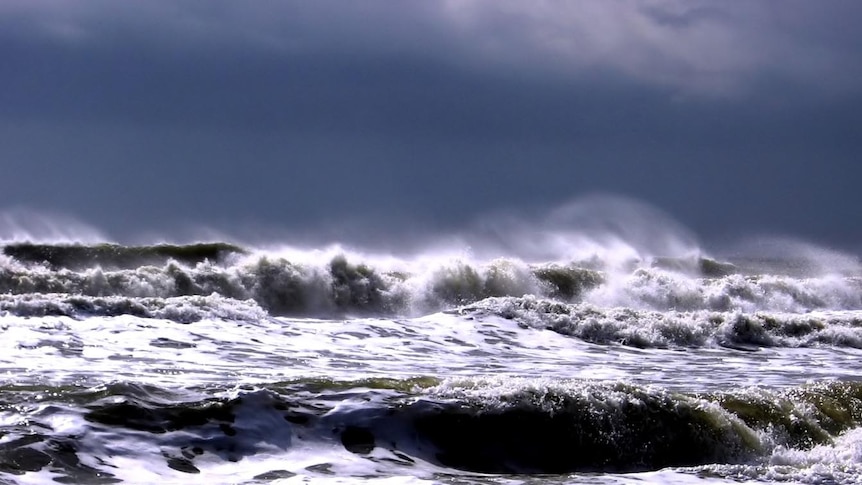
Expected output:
(730, 116)
(560, 72)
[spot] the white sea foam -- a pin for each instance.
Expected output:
(61, 350)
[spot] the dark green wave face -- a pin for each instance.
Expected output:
(575, 428)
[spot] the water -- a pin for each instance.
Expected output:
(516, 361)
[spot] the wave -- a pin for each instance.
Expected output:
(341, 282)
(281, 286)
(663, 329)
(182, 309)
(115, 256)
(485, 426)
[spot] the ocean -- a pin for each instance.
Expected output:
(233, 363)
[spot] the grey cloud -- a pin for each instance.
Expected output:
(702, 47)
(276, 27)
(695, 47)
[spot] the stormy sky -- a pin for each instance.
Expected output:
(732, 117)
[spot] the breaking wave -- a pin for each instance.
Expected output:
(653, 329)
(102, 278)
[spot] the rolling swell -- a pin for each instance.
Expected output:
(78, 257)
(578, 433)
(470, 426)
